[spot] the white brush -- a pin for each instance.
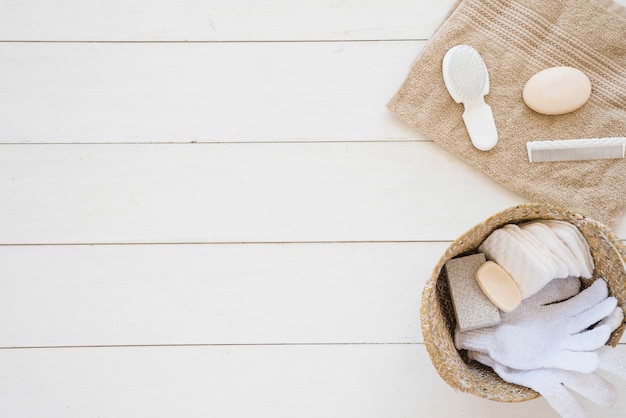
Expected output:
(576, 149)
(466, 78)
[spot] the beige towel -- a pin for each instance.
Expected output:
(517, 39)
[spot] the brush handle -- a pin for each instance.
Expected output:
(481, 127)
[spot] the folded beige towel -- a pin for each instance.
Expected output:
(516, 40)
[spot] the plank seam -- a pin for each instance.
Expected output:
(182, 345)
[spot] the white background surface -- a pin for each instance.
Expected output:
(207, 211)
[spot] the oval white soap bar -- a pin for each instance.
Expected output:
(498, 286)
(557, 90)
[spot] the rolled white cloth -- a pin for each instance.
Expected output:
(576, 242)
(537, 252)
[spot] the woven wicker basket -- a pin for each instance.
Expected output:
(437, 314)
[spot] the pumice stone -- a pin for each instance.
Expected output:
(557, 90)
(472, 308)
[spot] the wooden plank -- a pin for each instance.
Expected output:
(240, 193)
(278, 381)
(213, 294)
(216, 92)
(59, 194)
(234, 20)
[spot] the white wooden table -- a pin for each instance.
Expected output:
(207, 211)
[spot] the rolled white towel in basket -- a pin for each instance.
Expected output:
(576, 242)
(537, 252)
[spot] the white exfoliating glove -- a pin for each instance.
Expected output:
(543, 334)
(610, 358)
(556, 386)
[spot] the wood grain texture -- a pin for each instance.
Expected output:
(215, 20)
(213, 294)
(240, 193)
(369, 381)
(215, 92)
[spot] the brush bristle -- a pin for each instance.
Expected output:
(467, 73)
